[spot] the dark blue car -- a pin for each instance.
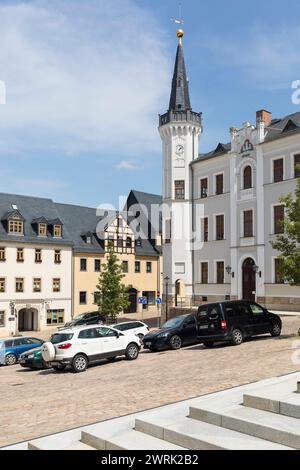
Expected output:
(12, 348)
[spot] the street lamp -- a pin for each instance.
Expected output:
(167, 279)
(229, 271)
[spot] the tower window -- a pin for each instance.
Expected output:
(179, 190)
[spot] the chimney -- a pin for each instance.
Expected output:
(264, 116)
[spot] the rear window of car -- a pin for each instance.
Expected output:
(208, 311)
(61, 337)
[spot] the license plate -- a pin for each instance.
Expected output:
(147, 344)
(203, 327)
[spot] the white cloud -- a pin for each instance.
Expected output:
(81, 77)
(269, 57)
(126, 165)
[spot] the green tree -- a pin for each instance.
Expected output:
(288, 244)
(112, 294)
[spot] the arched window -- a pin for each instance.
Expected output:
(248, 177)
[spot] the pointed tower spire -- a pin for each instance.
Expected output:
(180, 96)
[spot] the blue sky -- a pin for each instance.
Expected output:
(86, 80)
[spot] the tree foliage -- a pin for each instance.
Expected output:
(288, 244)
(112, 294)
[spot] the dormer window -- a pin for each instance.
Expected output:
(42, 230)
(16, 227)
(57, 231)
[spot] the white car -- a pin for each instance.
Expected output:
(136, 327)
(81, 346)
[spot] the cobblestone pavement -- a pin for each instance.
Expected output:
(38, 403)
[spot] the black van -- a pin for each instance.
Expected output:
(235, 321)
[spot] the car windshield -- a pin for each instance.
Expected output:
(174, 323)
(79, 317)
(61, 338)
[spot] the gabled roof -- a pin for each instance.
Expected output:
(11, 214)
(40, 220)
(221, 149)
(283, 127)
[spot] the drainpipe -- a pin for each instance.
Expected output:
(193, 231)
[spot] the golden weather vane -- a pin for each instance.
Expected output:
(180, 21)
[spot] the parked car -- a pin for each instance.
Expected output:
(81, 346)
(175, 333)
(33, 359)
(137, 327)
(234, 321)
(12, 348)
(89, 318)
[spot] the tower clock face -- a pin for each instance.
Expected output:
(179, 149)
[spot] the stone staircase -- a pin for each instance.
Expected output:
(260, 416)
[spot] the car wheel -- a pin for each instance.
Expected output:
(237, 337)
(209, 344)
(175, 342)
(275, 330)
(79, 363)
(11, 360)
(59, 368)
(132, 352)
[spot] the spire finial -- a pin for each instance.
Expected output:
(179, 20)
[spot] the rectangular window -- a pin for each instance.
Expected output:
(16, 227)
(248, 224)
(219, 184)
(19, 284)
(205, 229)
(57, 231)
(82, 298)
(83, 264)
(168, 231)
(151, 297)
(179, 190)
(37, 284)
(278, 220)
(297, 165)
(57, 256)
(2, 254)
(220, 233)
(149, 267)
(204, 188)
(220, 272)
(42, 230)
(96, 298)
(2, 285)
(204, 273)
(2, 319)
(279, 278)
(56, 285)
(278, 170)
(137, 267)
(97, 265)
(20, 255)
(38, 256)
(55, 317)
(125, 267)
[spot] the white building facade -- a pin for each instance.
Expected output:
(35, 266)
(230, 199)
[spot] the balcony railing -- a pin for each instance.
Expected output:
(180, 116)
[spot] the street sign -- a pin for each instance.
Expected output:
(143, 300)
(158, 301)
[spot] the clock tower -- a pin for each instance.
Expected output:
(179, 129)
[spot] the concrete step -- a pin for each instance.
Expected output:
(74, 446)
(128, 440)
(275, 399)
(196, 435)
(265, 425)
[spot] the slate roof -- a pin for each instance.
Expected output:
(180, 97)
(31, 208)
(78, 222)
